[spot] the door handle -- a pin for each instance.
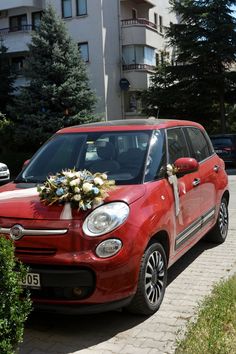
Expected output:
(196, 182)
(216, 168)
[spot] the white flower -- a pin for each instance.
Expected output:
(75, 182)
(104, 176)
(87, 187)
(77, 190)
(68, 174)
(77, 197)
(98, 181)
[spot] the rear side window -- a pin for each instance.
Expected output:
(177, 146)
(200, 147)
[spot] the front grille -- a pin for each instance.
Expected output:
(61, 293)
(60, 282)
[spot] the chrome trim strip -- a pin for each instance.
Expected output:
(194, 227)
(29, 232)
(186, 234)
(208, 216)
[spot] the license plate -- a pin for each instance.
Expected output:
(32, 280)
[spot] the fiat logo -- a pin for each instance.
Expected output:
(16, 232)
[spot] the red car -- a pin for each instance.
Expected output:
(171, 191)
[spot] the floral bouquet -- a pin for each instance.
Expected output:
(81, 189)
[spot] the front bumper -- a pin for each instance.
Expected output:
(63, 283)
(82, 309)
(4, 176)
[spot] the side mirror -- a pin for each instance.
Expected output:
(186, 165)
(25, 163)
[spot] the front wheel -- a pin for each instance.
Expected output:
(152, 281)
(219, 232)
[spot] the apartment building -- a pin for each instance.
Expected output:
(120, 40)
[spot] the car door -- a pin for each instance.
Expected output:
(188, 219)
(202, 150)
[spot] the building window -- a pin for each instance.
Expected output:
(84, 51)
(156, 19)
(18, 23)
(160, 24)
(134, 13)
(17, 64)
(138, 55)
(81, 7)
(66, 8)
(36, 19)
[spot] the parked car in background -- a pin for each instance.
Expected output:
(4, 173)
(225, 147)
(171, 191)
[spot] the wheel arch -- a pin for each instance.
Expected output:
(163, 238)
(226, 196)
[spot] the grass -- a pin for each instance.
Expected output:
(214, 331)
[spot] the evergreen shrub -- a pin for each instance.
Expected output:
(15, 303)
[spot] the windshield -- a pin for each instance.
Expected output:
(120, 154)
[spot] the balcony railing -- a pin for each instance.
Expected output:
(22, 28)
(142, 22)
(138, 21)
(144, 67)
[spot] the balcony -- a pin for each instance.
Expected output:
(16, 38)
(151, 3)
(141, 31)
(13, 4)
(138, 67)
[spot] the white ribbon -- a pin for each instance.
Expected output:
(172, 178)
(19, 193)
(66, 213)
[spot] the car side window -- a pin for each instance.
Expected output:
(177, 145)
(200, 149)
(156, 160)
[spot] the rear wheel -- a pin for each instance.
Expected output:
(152, 281)
(219, 232)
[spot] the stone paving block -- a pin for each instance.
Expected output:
(132, 349)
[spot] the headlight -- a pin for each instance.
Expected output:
(3, 168)
(105, 218)
(108, 248)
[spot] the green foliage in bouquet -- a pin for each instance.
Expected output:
(82, 189)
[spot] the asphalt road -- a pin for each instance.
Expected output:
(190, 279)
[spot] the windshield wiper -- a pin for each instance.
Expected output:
(29, 179)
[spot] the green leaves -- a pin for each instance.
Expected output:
(15, 303)
(58, 89)
(198, 85)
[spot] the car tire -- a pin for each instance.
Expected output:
(152, 281)
(219, 232)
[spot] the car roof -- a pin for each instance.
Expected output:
(230, 135)
(129, 124)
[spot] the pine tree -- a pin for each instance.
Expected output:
(58, 92)
(202, 79)
(7, 79)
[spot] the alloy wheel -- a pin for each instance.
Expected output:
(154, 277)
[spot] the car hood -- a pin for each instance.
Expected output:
(21, 201)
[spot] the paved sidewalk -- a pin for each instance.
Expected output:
(190, 279)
